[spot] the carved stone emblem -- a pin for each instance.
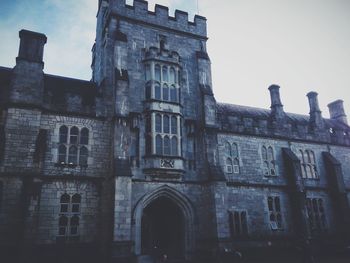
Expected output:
(166, 163)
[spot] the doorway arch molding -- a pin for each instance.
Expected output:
(184, 205)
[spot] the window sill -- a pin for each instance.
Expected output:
(69, 165)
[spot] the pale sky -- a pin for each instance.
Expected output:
(301, 45)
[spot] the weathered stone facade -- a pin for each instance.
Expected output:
(143, 155)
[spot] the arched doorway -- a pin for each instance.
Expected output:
(151, 214)
(162, 229)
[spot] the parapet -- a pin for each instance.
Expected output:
(160, 17)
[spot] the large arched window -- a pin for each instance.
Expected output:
(75, 150)
(165, 74)
(172, 78)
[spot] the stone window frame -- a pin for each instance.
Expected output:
(308, 164)
(161, 133)
(268, 160)
(275, 212)
(231, 158)
(316, 214)
(161, 85)
(74, 153)
(69, 217)
(238, 223)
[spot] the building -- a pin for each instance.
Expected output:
(143, 155)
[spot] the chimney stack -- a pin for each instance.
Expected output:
(336, 111)
(276, 104)
(316, 120)
(31, 46)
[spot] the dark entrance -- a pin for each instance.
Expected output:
(163, 227)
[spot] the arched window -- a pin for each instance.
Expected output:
(84, 136)
(165, 74)
(157, 73)
(158, 123)
(74, 133)
(274, 207)
(232, 158)
(174, 150)
(166, 124)
(157, 92)
(264, 153)
(165, 92)
(62, 153)
(64, 201)
(173, 94)
(167, 150)
(73, 155)
(316, 215)
(63, 134)
(308, 164)
(172, 75)
(83, 156)
(234, 150)
(173, 125)
(159, 145)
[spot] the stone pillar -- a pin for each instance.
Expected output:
(337, 112)
(277, 112)
(316, 120)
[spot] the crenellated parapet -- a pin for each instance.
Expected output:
(159, 17)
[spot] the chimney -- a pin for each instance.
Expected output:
(336, 111)
(31, 46)
(277, 111)
(316, 120)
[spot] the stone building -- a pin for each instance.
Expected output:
(142, 156)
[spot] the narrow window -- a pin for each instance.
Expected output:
(165, 92)
(157, 72)
(228, 149)
(62, 225)
(174, 150)
(147, 72)
(74, 224)
(84, 136)
(229, 166)
(167, 145)
(166, 124)
(62, 153)
(158, 123)
(159, 145)
(173, 94)
(157, 92)
(234, 150)
(173, 125)
(83, 157)
(238, 223)
(165, 74)
(73, 155)
(148, 94)
(235, 165)
(63, 134)
(172, 75)
(76, 200)
(64, 201)
(275, 215)
(74, 132)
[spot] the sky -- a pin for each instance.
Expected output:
(301, 45)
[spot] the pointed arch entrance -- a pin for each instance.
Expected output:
(164, 218)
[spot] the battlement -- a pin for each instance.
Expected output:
(159, 17)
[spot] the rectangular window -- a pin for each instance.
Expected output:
(238, 223)
(275, 215)
(316, 215)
